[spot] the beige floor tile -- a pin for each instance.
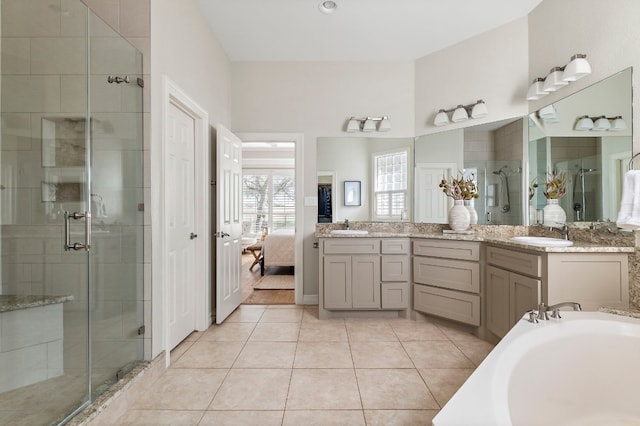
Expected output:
(399, 417)
(194, 336)
(380, 355)
(443, 383)
(207, 354)
(436, 354)
(266, 355)
(254, 306)
(408, 330)
(289, 306)
(323, 389)
(179, 350)
(246, 314)
(275, 332)
(182, 389)
(282, 315)
(229, 332)
(370, 331)
(455, 333)
(323, 418)
(323, 332)
(253, 389)
(160, 417)
(476, 350)
(323, 355)
(242, 418)
(311, 314)
(394, 389)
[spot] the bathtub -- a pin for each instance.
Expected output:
(583, 369)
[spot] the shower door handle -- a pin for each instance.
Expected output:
(68, 245)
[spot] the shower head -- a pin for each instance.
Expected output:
(500, 170)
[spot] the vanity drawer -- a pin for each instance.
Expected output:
(352, 246)
(395, 246)
(516, 261)
(449, 304)
(395, 268)
(395, 295)
(446, 273)
(448, 249)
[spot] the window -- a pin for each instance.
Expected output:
(390, 185)
(268, 199)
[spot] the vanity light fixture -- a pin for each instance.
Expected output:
(461, 113)
(368, 124)
(600, 124)
(554, 80)
(577, 68)
(559, 77)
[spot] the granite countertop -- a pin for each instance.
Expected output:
(577, 247)
(627, 312)
(10, 302)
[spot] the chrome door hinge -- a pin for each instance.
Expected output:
(140, 82)
(141, 330)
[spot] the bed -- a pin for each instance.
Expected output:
(278, 249)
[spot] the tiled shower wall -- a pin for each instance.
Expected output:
(43, 54)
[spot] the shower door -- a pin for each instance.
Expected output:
(71, 215)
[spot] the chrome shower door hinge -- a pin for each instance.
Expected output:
(140, 82)
(141, 330)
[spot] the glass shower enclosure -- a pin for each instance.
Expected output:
(71, 212)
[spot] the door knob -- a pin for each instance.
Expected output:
(193, 236)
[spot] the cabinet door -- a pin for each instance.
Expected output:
(497, 294)
(337, 282)
(524, 293)
(365, 282)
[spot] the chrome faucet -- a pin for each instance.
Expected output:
(346, 224)
(543, 309)
(563, 229)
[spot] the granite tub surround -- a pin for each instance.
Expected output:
(12, 302)
(630, 312)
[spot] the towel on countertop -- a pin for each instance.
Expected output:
(629, 214)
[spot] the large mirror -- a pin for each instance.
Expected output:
(490, 153)
(594, 161)
(377, 174)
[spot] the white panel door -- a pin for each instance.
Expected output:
(180, 134)
(432, 205)
(228, 223)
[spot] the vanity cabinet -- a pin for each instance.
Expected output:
(364, 274)
(446, 278)
(517, 281)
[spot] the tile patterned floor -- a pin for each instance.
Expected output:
(280, 365)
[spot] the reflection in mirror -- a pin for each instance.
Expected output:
(382, 165)
(594, 161)
(491, 152)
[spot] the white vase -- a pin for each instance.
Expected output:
(473, 214)
(554, 214)
(532, 214)
(458, 216)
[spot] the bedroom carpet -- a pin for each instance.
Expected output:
(275, 282)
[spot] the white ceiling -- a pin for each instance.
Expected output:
(358, 30)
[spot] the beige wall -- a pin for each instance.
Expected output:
(492, 66)
(316, 99)
(184, 49)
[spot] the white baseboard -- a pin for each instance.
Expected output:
(310, 299)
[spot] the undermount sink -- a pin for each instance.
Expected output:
(543, 241)
(349, 232)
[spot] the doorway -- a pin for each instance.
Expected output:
(270, 217)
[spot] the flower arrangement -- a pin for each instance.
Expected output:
(555, 187)
(460, 188)
(532, 187)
